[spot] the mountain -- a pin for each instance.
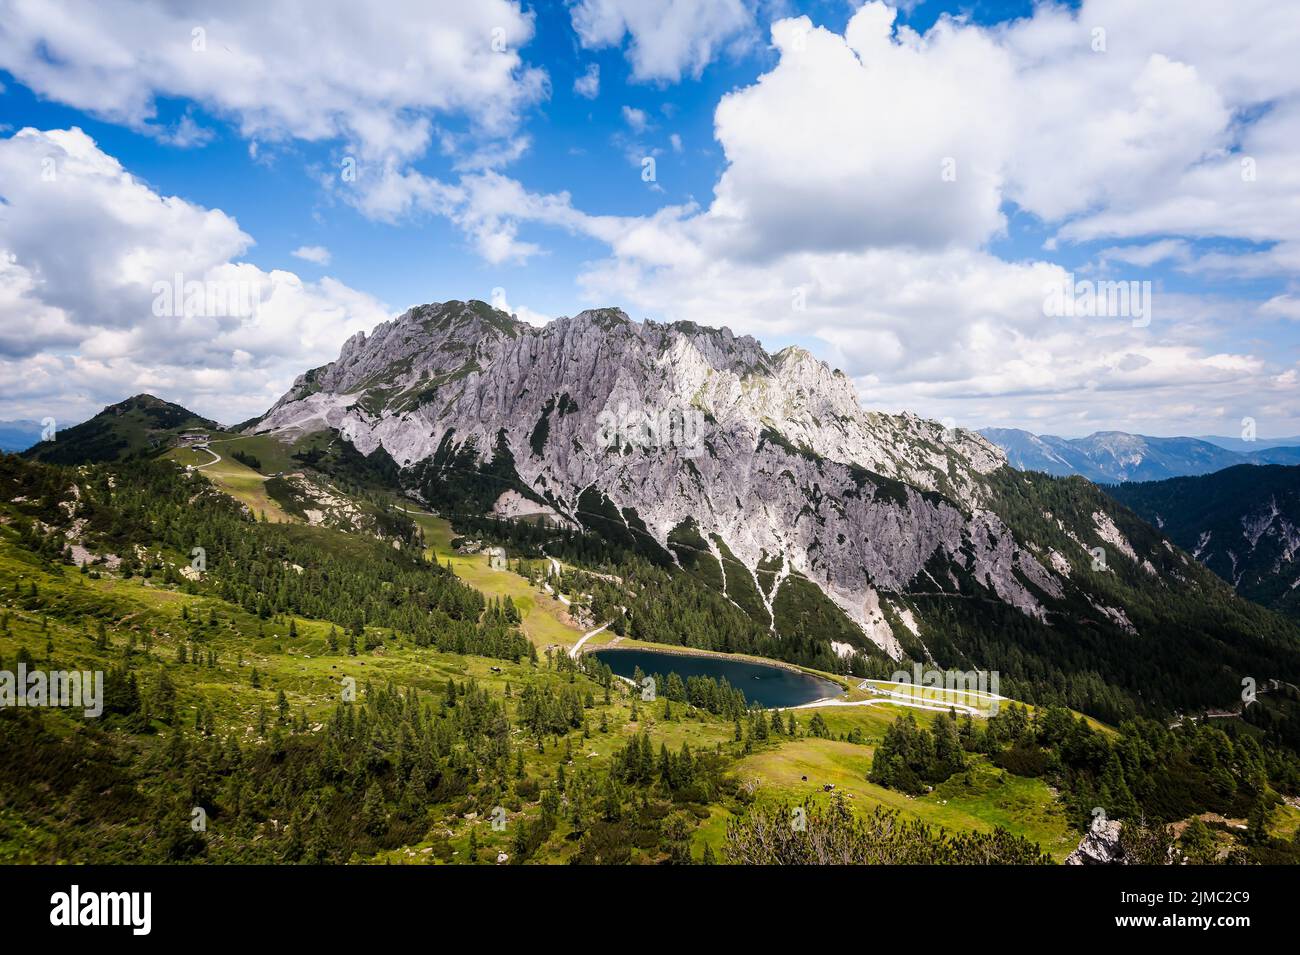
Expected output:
(19, 435)
(1110, 457)
(1243, 523)
(1254, 444)
(139, 425)
(858, 534)
(1279, 455)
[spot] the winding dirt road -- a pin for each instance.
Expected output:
(577, 647)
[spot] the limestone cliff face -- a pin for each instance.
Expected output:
(1100, 845)
(771, 453)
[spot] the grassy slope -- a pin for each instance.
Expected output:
(239, 481)
(979, 799)
(304, 668)
(544, 620)
(273, 454)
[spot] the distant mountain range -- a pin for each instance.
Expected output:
(19, 435)
(1111, 457)
(1251, 446)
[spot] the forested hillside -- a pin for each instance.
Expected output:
(141, 425)
(1243, 523)
(286, 693)
(304, 695)
(1197, 640)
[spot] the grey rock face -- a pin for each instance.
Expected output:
(770, 452)
(1100, 846)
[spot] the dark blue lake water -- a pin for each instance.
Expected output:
(768, 686)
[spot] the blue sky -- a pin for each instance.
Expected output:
(797, 148)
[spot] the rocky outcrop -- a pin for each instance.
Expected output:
(1100, 846)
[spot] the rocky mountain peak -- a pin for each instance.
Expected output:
(605, 319)
(768, 458)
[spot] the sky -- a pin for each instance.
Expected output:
(202, 201)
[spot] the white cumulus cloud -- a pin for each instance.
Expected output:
(108, 288)
(312, 253)
(308, 69)
(587, 84)
(666, 38)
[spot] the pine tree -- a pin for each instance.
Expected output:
(948, 755)
(373, 817)
(817, 727)
(1257, 823)
(1197, 842)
